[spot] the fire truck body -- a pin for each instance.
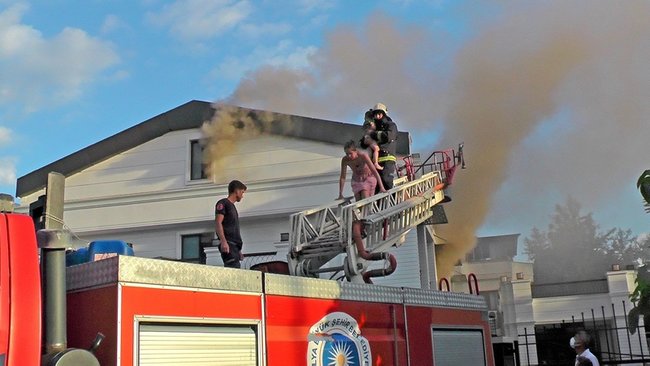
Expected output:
(167, 312)
(156, 312)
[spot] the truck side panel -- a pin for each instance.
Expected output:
(20, 306)
(422, 320)
(292, 322)
(169, 312)
(90, 312)
(178, 306)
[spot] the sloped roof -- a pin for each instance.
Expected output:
(187, 116)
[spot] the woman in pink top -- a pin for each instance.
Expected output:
(364, 174)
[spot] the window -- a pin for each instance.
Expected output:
(197, 164)
(192, 247)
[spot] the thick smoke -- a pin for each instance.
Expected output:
(549, 98)
(548, 62)
(356, 68)
(225, 132)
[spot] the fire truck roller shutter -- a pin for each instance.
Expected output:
(179, 344)
(457, 346)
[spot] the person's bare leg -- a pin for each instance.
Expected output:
(364, 194)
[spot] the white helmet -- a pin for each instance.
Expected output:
(380, 107)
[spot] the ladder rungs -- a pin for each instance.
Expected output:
(395, 210)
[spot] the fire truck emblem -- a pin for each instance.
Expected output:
(336, 340)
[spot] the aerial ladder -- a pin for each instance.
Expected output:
(364, 231)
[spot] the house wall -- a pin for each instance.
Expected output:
(407, 273)
(259, 235)
(149, 186)
(162, 164)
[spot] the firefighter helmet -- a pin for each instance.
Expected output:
(380, 107)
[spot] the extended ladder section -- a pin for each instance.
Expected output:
(321, 234)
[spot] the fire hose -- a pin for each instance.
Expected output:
(363, 253)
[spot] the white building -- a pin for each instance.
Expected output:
(542, 317)
(145, 185)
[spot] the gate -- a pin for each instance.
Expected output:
(611, 341)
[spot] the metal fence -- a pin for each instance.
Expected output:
(612, 342)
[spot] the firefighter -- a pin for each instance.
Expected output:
(386, 137)
(227, 225)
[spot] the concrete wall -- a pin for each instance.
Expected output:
(491, 273)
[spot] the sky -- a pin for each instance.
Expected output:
(549, 97)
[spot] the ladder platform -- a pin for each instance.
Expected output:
(320, 235)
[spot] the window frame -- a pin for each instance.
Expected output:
(203, 243)
(191, 163)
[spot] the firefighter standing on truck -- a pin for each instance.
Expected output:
(227, 225)
(386, 136)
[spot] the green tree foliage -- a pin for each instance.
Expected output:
(641, 295)
(626, 249)
(573, 248)
(640, 298)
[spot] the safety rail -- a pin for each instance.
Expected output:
(314, 236)
(320, 234)
(443, 161)
(316, 222)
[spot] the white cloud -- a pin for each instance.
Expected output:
(319, 20)
(315, 5)
(284, 54)
(201, 19)
(5, 136)
(7, 170)
(266, 30)
(38, 70)
(112, 23)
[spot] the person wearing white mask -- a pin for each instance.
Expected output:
(580, 343)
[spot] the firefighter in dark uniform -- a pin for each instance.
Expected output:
(227, 225)
(386, 137)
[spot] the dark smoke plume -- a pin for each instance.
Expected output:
(231, 125)
(550, 99)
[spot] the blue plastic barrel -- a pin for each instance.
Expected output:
(77, 256)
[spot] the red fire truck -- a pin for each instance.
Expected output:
(156, 312)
